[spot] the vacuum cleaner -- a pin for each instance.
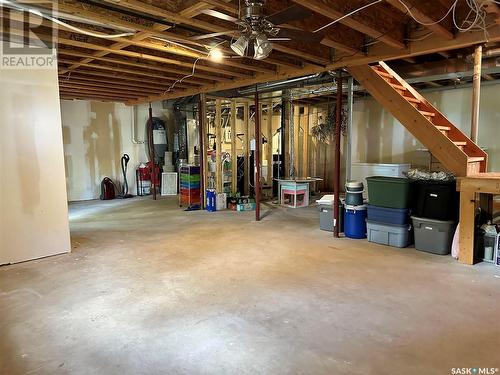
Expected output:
(109, 188)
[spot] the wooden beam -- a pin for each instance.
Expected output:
(157, 76)
(326, 9)
(210, 27)
(160, 68)
(137, 92)
(190, 11)
(119, 77)
(376, 53)
(422, 16)
(76, 78)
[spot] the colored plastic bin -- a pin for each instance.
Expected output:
(384, 215)
(391, 235)
(355, 221)
(390, 192)
(433, 236)
(437, 200)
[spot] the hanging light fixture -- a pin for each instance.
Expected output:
(240, 46)
(262, 47)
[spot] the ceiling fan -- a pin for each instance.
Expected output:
(257, 31)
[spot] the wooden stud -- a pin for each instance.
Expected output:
(305, 142)
(246, 144)
(218, 142)
(234, 154)
(269, 146)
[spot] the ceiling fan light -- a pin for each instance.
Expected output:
(240, 46)
(262, 47)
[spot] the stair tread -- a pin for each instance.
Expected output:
(460, 143)
(473, 159)
(397, 86)
(426, 113)
(410, 99)
(440, 127)
(383, 74)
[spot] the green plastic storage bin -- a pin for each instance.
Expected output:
(390, 192)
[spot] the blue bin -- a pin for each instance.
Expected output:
(211, 200)
(355, 221)
(384, 215)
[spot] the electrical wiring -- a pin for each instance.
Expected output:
(59, 22)
(193, 70)
(347, 15)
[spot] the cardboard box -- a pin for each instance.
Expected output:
(246, 207)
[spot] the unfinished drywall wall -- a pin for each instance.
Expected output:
(97, 134)
(379, 138)
(33, 207)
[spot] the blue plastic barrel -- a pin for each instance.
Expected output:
(211, 200)
(355, 221)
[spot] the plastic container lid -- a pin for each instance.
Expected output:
(356, 208)
(354, 184)
(326, 199)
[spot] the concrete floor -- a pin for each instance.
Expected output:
(151, 289)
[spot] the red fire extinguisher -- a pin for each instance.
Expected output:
(143, 179)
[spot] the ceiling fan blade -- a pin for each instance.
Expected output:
(290, 14)
(300, 35)
(213, 35)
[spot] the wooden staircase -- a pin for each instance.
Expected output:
(446, 142)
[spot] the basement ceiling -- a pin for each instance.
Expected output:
(163, 57)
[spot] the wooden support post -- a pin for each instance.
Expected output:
(218, 145)
(284, 118)
(466, 237)
(154, 175)
(484, 183)
(269, 147)
(305, 142)
(314, 143)
(258, 145)
(285, 148)
(476, 93)
(336, 172)
(296, 135)
(234, 155)
(202, 119)
(246, 145)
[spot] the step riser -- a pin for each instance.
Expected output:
(432, 115)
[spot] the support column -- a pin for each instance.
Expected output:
(234, 156)
(269, 148)
(258, 145)
(202, 118)
(152, 152)
(285, 135)
(246, 145)
(305, 142)
(476, 93)
(336, 172)
(218, 146)
(348, 149)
